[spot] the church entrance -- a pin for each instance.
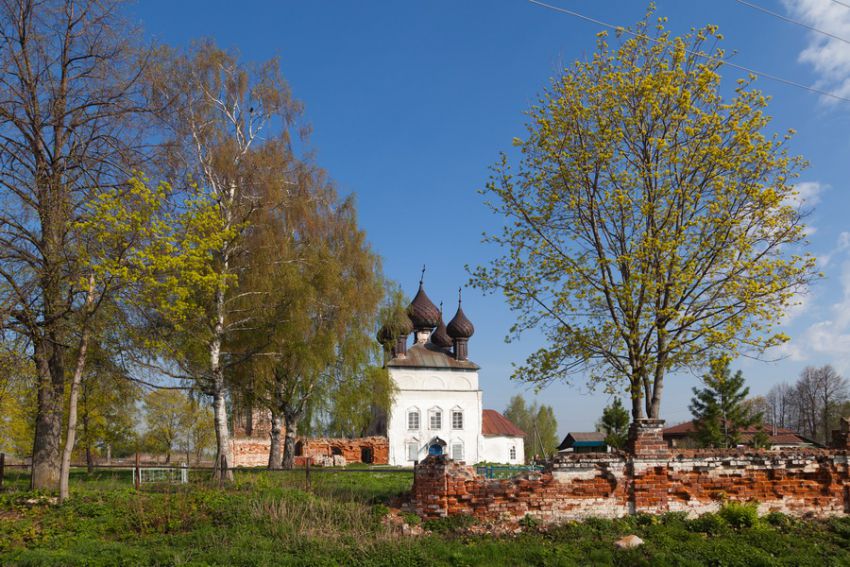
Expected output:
(437, 447)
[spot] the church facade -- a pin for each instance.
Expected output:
(438, 404)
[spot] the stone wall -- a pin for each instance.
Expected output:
(647, 479)
(254, 451)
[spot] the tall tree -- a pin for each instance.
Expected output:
(719, 409)
(68, 129)
(818, 394)
(230, 133)
(615, 424)
(539, 424)
(651, 222)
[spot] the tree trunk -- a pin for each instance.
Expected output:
(291, 425)
(109, 453)
(46, 458)
(71, 438)
(275, 456)
(168, 457)
(222, 435)
(637, 401)
(89, 459)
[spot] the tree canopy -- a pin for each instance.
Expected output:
(650, 221)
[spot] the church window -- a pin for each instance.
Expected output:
(412, 451)
(513, 452)
(436, 419)
(457, 419)
(457, 451)
(413, 419)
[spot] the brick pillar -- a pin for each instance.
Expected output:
(841, 437)
(648, 456)
(430, 487)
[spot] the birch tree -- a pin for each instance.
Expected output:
(651, 222)
(225, 120)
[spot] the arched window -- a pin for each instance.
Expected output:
(413, 419)
(457, 418)
(412, 450)
(435, 419)
(336, 451)
(299, 448)
(457, 450)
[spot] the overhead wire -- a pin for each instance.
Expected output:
(726, 62)
(840, 3)
(791, 20)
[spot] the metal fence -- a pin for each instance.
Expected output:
(505, 471)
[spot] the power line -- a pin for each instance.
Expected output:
(695, 53)
(791, 20)
(840, 3)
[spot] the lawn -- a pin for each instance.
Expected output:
(268, 518)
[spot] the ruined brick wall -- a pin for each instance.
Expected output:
(254, 452)
(650, 479)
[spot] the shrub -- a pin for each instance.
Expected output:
(779, 520)
(740, 515)
(529, 522)
(411, 519)
(710, 523)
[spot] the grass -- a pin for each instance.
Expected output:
(268, 519)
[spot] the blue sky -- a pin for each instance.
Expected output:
(411, 102)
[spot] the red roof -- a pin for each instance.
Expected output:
(494, 423)
(779, 436)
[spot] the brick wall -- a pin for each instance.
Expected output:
(254, 452)
(649, 479)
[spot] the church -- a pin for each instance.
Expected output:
(438, 404)
(437, 408)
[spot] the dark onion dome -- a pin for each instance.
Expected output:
(389, 333)
(385, 336)
(460, 327)
(422, 311)
(440, 337)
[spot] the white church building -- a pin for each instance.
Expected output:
(438, 404)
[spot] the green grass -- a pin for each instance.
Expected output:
(267, 518)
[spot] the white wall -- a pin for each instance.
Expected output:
(497, 449)
(426, 389)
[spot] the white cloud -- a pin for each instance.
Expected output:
(828, 56)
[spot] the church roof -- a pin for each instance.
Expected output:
(430, 356)
(494, 423)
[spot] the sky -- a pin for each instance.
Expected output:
(410, 103)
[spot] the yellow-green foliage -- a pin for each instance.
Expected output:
(651, 221)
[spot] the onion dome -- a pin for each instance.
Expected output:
(422, 311)
(460, 327)
(440, 337)
(389, 333)
(385, 336)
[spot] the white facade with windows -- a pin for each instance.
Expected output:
(438, 405)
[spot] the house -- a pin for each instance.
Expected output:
(584, 442)
(683, 435)
(438, 404)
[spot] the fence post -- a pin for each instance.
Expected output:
(2, 468)
(137, 472)
(222, 471)
(184, 474)
(307, 473)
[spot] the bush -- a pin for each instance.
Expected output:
(411, 519)
(529, 522)
(740, 515)
(710, 523)
(779, 520)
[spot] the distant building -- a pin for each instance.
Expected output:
(683, 436)
(438, 404)
(584, 442)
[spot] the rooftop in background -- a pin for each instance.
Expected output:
(494, 423)
(583, 439)
(428, 355)
(776, 435)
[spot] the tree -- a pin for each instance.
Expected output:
(818, 395)
(650, 222)
(615, 424)
(165, 418)
(539, 424)
(229, 134)
(68, 129)
(719, 409)
(780, 406)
